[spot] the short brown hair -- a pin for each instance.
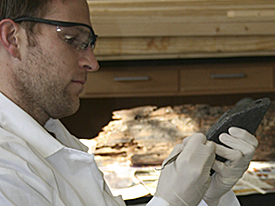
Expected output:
(17, 8)
(12, 9)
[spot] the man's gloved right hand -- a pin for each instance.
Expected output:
(242, 146)
(184, 181)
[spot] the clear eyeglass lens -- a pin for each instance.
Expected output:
(78, 37)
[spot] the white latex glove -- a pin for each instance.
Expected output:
(184, 181)
(243, 146)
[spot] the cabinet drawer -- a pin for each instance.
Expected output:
(219, 79)
(131, 82)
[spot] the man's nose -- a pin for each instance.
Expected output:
(88, 60)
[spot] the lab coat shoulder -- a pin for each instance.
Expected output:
(24, 173)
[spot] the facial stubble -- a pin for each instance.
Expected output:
(40, 88)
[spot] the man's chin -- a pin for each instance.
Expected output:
(75, 106)
(68, 110)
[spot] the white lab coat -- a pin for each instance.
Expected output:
(37, 169)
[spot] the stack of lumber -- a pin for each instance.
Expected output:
(154, 29)
(146, 135)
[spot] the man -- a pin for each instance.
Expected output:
(46, 51)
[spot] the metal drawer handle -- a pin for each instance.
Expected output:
(129, 79)
(228, 76)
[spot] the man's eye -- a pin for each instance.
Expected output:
(70, 39)
(83, 45)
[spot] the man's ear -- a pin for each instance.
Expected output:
(8, 37)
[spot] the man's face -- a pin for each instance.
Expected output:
(52, 74)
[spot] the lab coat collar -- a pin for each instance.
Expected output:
(63, 135)
(20, 123)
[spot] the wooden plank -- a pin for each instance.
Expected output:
(181, 21)
(172, 8)
(115, 48)
(133, 29)
(177, 3)
(173, 29)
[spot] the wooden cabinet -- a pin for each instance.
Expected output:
(179, 79)
(131, 83)
(221, 79)
(182, 29)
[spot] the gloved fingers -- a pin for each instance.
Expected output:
(241, 149)
(192, 142)
(186, 179)
(197, 138)
(234, 156)
(196, 143)
(244, 147)
(206, 152)
(177, 149)
(207, 182)
(243, 135)
(218, 167)
(224, 168)
(198, 152)
(186, 140)
(228, 174)
(211, 147)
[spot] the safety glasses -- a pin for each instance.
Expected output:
(78, 35)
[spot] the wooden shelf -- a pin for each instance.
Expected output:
(157, 29)
(181, 78)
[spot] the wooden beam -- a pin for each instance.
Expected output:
(182, 47)
(136, 28)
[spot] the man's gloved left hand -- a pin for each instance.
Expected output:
(242, 148)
